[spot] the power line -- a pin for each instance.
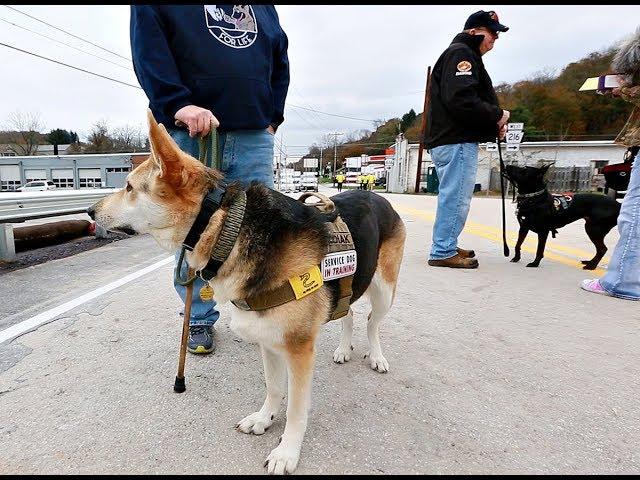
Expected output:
(70, 66)
(331, 114)
(65, 44)
(68, 33)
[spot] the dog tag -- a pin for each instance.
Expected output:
(307, 283)
(206, 293)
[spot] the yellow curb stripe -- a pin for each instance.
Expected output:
(495, 235)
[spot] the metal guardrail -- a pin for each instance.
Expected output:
(17, 207)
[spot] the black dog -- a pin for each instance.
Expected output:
(540, 211)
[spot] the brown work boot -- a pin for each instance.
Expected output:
(457, 261)
(466, 253)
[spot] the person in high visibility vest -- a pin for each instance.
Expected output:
(340, 179)
(371, 178)
(360, 182)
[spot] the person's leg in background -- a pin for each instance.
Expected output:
(456, 166)
(245, 156)
(622, 278)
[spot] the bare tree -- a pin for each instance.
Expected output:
(24, 132)
(128, 139)
(98, 140)
(378, 123)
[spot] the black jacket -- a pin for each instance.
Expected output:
(463, 107)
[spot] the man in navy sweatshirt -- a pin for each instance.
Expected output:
(220, 65)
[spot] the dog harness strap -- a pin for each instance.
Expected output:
(344, 301)
(227, 238)
(210, 204)
(266, 300)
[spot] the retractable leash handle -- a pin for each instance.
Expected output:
(505, 246)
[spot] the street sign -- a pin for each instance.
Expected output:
(310, 163)
(491, 147)
(515, 126)
(513, 147)
(514, 136)
(388, 162)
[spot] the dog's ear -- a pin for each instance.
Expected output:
(165, 152)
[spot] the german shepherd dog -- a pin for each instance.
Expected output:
(279, 238)
(538, 212)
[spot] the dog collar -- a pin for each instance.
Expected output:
(228, 234)
(227, 238)
(534, 194)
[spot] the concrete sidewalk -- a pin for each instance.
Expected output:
(503, 369)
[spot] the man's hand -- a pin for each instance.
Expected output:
(198, 120)
(504, 119)
(271, 130)
(502, 132)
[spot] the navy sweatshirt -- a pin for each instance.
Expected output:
(230, 59)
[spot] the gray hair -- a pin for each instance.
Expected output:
(627, 59)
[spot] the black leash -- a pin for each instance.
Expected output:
(504, 227)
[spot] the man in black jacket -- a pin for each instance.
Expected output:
(463, 111)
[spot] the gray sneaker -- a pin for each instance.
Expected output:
(201, 339)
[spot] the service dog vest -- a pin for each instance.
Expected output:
(339, 265)
(561, 201)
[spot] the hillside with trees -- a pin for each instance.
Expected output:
(550, 106)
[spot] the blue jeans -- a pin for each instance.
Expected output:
(456, 166)
(246, 155)
(623, 273)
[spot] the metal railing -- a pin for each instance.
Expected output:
(18, 207)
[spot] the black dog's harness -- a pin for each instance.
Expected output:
(530, 202)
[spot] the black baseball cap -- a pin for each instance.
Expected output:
(485, 19)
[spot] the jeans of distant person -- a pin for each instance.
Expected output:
(623, 273)
(246, 155)
(339, 186)
(456, 166)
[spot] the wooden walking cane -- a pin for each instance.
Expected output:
(179, 385)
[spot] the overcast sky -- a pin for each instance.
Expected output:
(367, 62)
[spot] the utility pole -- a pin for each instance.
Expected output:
(422, 130)
(335, 151)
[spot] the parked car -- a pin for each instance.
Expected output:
(37, 186)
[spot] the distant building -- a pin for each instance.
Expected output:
(50, 149)
(592, 153)
(69, 171)
(9, 149)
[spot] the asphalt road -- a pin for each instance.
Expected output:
(504, 369)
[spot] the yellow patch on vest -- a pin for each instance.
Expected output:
(307, 283)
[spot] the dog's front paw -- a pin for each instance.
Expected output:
(589, 266)
(282, 459)
(378, 363)
(342, 355)
(533, 264)
(515, 259)
(255, 423)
